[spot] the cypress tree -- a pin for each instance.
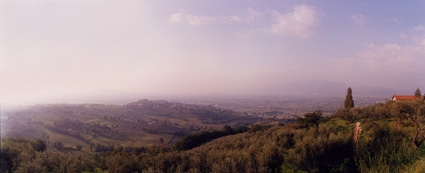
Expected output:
(349, 102)
(418, 93)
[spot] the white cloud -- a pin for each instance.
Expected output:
(395, 20)
(192, 19)
(253, 15)
(419, 28)
(403, 35)
(250, 16)
(299, 23)
(418, 35)
(235, 18)
(358, 19)
(385, 63)
(392, 56)
(386, 57)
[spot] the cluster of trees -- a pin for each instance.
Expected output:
(311, 119)
(197, 139)
(113, 147)
(59, 146)
(81, 130)
(25, 155)
(70, 127)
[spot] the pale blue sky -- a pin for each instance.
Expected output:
(59, 49)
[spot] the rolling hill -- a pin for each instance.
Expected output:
(140, 123)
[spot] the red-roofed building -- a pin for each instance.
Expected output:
(405, 97)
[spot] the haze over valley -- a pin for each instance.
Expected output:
(63, 51)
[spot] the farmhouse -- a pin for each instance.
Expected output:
(405, 97)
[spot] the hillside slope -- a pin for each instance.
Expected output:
(387, 137)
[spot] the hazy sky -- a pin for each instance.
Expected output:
(57, 48)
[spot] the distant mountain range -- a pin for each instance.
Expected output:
(327, 88)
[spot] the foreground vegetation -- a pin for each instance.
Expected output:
(385, 137)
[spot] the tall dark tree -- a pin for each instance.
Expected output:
(418, 93)
(349, 102)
